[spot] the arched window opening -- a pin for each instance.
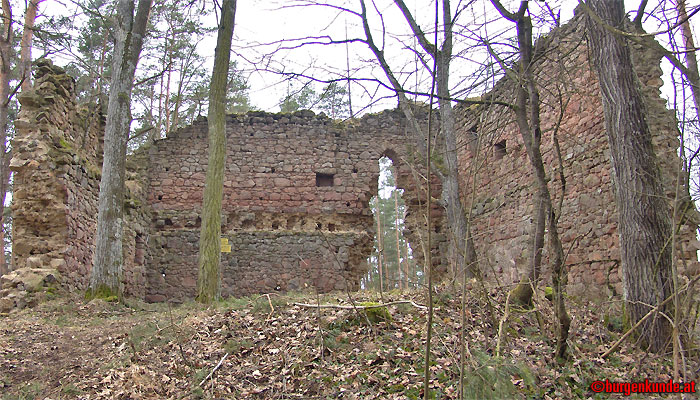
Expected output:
(391, 263)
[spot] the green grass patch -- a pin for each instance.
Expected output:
(493, 378)
(147, 334)
(29, 391)
(70, 389)
(236, 346)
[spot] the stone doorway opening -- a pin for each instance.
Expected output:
(391, 263)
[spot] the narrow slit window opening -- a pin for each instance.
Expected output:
(499, 150)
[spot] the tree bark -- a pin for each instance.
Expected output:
(209, 278)
(6, 55)
(460, 240)
(644, 219)
(527, 113)
(398, 241)
(106, 274)
(25, 67)
(380, 248)
(691, 60)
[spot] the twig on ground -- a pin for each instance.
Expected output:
(213, 370)
(177, 336)
(501, 323)
(418, 306)
(269, 301)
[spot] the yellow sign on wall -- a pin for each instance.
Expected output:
(225, 247)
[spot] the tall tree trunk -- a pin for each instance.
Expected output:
(106, 274)
(527, 113)
(6, 55)
(460, 240)
(167, 87)
(380, 247)
(209, 278)
(690, 60)
(25, 67)
(178, 99)
(398, 241)
(644, 219)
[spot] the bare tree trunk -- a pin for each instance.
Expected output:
(106, 274)
(527, 112)
(398, 242)
(644, 220)
(6, 55)
(460, 240)
(178, 99)
(25, 66)
(209, 278)
(690, 60)
(410, 267)
(4, 268)
(380, 249)
(532, 136)
(157, 132)
(167, 88)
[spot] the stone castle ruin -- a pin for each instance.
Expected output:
(297, 187)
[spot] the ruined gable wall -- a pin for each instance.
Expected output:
(57, 158)
(285, 231)
(56, 178)
(504, 188)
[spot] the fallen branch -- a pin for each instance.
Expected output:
(501, 323)
(418, 306)
(214, 370)
(269, 301)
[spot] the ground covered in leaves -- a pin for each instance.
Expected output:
(269, 348)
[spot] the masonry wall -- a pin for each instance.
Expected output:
(54, 200)
(296, 197)
(295, 203)
(57, 158)
(297, 187)
(492, 153)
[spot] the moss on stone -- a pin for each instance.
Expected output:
(521, 295)
(103, 292)
(66, 145)
(375, 312)
(549, 293)
(131, 202)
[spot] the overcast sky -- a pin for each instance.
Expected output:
(270, 21)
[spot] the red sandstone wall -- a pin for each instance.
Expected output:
(503, 209)
(54, 205)
(56, 163)
(286, 232)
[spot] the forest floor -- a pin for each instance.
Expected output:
(272, 349)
